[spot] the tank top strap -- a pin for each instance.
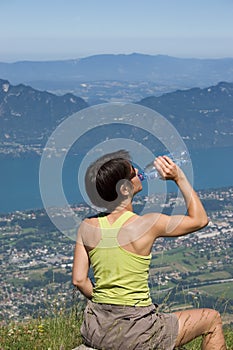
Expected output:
(122, 219)
(118, 223)
(109, 231)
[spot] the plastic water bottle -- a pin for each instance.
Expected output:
(150, 172)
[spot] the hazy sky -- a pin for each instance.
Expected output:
(61, 29)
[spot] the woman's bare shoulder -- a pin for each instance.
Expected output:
(150, 218)
(91, 220)
(89, 231)
(138, 227)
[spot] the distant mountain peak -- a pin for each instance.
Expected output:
(5, 85)
(203, 117)
(28, 115)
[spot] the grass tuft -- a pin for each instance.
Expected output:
(61, 332)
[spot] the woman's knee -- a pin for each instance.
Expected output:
(211, 321)
(214, 317)
(196, 322)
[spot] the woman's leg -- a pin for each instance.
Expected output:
(205, 322)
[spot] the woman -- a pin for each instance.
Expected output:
(120, 313)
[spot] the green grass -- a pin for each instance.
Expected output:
(62, 332)
(223, 289)
(29, 230)
(196, 344)
(180, 258)
(214, 275)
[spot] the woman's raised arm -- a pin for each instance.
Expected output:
(178, 225)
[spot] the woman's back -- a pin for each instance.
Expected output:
(121, 276)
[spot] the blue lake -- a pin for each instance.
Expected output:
(19, 178)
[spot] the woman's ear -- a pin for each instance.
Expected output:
(124, 190)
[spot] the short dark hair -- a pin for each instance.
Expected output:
(105, 175)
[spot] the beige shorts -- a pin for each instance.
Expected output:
(115, 327)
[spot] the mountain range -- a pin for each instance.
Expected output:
(161, 69)
(203, 117)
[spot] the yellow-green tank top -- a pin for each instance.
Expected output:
(121, 277)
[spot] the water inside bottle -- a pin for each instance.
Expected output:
(150, 172)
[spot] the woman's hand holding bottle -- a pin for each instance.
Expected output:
(167, 169)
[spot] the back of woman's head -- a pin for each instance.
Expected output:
(105, 176)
